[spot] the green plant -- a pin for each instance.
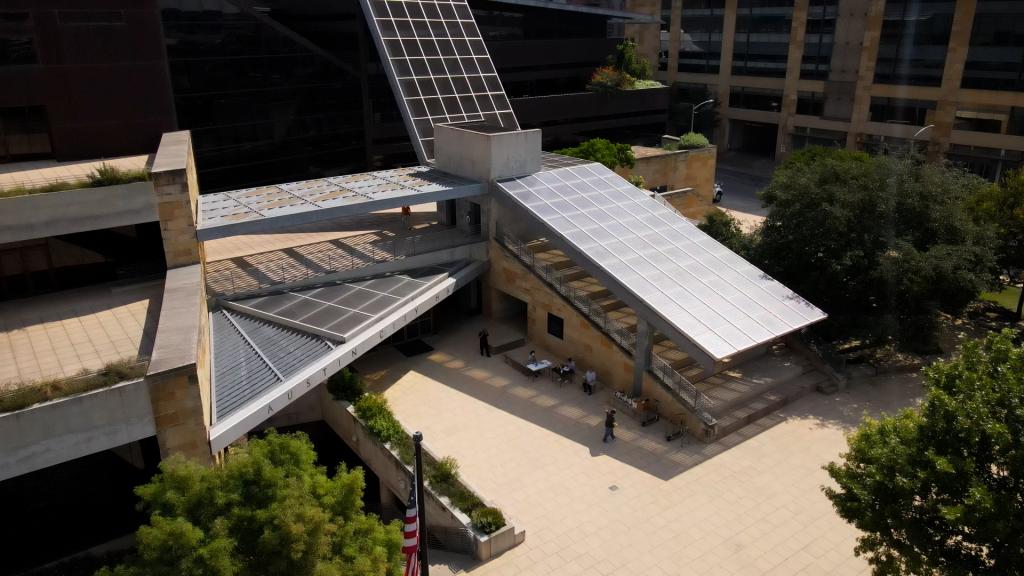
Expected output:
(443, 474)
(107, 175)
(374, 411)
(643, 84)
(346, 385)
(637, 180)
(33, 393)
(600, 150)
(689, 141)
(488, 520)
(608, 79)
(627, 61)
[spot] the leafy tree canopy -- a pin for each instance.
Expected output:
(600, 150)
(1003, 206)
(723, 227)
(940, 490)
(626, 60)
(269, 510)
(880, 243)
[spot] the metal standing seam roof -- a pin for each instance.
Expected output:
(438, 66)
(251, 355)
(266, 207)
(711, 296)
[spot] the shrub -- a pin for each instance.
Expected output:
(465, 500)
(690, 141)
(107, 175)
(612, 155)
(637, 180)
(627, 61)
(608, 79)
(45, 390)
(443, 474)
(374, 411)
(641, 84)
(346, 385)
(488, 520)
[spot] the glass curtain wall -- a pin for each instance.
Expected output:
(762, 37)
(995, 60)
(700, 47)
(818, 39)
(914, 41)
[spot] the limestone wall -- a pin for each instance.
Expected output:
(680, 169)
(177, 196)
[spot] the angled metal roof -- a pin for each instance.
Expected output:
(279, 205)
(675, 276)
(251, 355)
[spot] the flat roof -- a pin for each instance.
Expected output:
(679, 278)
(263, 208)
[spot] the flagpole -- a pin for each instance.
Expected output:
(421, 503)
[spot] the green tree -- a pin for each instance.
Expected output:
(1003, 206)
(626, 60)
(268, 510)
(723, 227)
(880, 243)
(939, 490)
(600, 150)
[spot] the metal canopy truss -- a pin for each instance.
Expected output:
(270, 207)
(339, 310)
(260, 366)
(674, 275)
(438, 66)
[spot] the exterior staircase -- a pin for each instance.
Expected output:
(724, 402)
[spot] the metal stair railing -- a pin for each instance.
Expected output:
(620, 333)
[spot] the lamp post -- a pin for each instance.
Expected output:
(913, 139)
(693, 111)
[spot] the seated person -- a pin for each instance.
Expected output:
(589, 378)
(570, 367)
(533, 358)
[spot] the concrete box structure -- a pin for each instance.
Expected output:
(479, 152)
(688, 176)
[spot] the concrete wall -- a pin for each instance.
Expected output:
(176, 188)
(485, 157)
(70, 211)
(54, 432)
(396, 477)
(680, 169)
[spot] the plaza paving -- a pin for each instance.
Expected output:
(60, 334)
(749, 504)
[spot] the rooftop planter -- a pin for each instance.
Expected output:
(28, 394)
(101, 176)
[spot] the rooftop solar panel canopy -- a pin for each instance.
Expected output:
(438, 66)
(681, 279)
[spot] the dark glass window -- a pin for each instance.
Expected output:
(556, 326)
(1016, 124)
(24, 133)
(915, 37)
(995, 60)
(978, 122)
(17, 40)
(897, 111)
(810, 103)
(700, 47)
(818, 40)
(755, 99)
(804, 137)
(762, 37)
(989, 163)
(90, 17)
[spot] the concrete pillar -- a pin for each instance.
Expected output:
(177, 198)
(952, 75)
(797, 37)
(642, 354)
(866, 72)
(674, 39)
(647, 35)
(725, 72)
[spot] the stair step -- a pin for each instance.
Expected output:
(539, 246)
(610, 304)
(766, 403)
(574, 274)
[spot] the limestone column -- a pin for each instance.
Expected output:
(177, 197)
(866, 72)
(952, 75)
(725, 72)
(797, 37)
(674, 40)
(641, 354)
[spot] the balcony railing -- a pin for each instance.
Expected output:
(678, 384)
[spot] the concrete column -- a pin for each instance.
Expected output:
(866, 72)
(642, 354)
(177, 198)
(647, 35)
(725, 72)
(952, 75)
(797, 37)
(674, 40)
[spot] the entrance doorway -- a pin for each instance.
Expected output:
(754, 138)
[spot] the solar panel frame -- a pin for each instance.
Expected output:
(672, 268)
(438, 65)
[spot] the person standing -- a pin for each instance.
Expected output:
(485, 346)
(406, 217)
(609, 425)
(588, 382)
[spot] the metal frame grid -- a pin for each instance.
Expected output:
(716, 299)
(438, 65)
(550, 161)
(250, 204)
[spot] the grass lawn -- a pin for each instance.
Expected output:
(1007, 298)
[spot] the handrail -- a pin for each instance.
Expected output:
(670, 377)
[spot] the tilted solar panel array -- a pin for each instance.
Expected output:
(438, 66)
(713, 297)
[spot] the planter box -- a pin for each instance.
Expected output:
(69, 211)
(448, 524)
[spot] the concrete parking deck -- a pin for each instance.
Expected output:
(60, 334)
(749, 504)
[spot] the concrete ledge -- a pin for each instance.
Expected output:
(53, 213)
(176, 344)
(172, 153)
(394, 474)
(61, 430)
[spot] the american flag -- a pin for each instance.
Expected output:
(411, 544)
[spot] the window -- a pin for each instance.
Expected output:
(819, 39)
(810, 103)
(556, 326)
(915, 37)
(762, 37)
(995, 60)
(24, 133)
(979, 121)
(896, 111)
(755, 99)
(700, 48)
(17, 40)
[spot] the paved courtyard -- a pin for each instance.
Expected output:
(749, 504)
(60, 334)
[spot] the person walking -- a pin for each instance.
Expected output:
(609, 425)
(485, 346)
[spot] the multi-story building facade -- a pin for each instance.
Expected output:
(861, 74)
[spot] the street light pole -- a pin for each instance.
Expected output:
(919, 132)
(421, 505)
(693, 111)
